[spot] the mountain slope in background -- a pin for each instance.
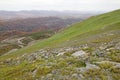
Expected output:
(94, 25)
(22, 32)
(86, 50)
(33, 24)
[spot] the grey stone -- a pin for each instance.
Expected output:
(88, 67)
(79, 54)
(117, 46)
(60, 54)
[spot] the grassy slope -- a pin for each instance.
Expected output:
(95, 36)
(93, 24)
(40, 35)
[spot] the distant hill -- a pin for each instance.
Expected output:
(31, 25)
(6, 15)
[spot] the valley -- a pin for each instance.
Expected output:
(18, 33)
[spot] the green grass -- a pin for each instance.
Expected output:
(74, 32)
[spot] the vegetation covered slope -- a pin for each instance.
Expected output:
(89, 50)
(90, 27)
(13, 27)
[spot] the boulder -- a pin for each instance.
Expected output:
(81, 54)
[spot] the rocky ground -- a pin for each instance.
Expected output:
(87, 62)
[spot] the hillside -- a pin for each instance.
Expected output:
(88, 50)
(92, 26)
(30, 25)
(28, 30)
